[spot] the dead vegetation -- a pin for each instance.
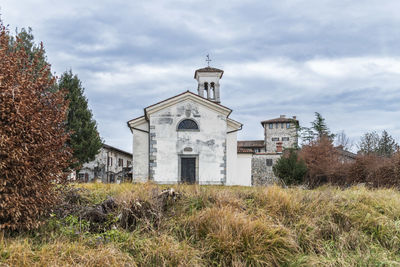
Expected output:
(33, 154)
(148, 225)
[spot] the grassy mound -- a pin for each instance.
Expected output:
(211, 225)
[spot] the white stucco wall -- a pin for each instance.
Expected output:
(208, 144)
(231, 157)
(243, 170)
(140, 148)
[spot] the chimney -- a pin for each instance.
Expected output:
(294, 117)
(279, 147)
(282, 116)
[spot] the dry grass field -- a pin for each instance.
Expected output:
(214, 225)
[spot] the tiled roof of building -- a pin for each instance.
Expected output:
(117, 149)
(251, 143)
(208, 69)
(281, 119)
(244, 150)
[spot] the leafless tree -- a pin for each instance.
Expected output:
(342, 140)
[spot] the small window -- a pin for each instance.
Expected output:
(128, 163)
(257, 150)
(282, 125)
(188, 125)
(276, 125)
(269, 162)
(287, 125)
(275, 139)
(121, 162)
(271, 125)
(285, 138)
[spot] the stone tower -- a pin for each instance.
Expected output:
(208, 83)
(280, 133)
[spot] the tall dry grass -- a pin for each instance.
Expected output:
(231, 226)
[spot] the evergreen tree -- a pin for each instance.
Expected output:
(26, 42)
(317, 130)
(387, 146)
(85, 140)
(289, 168)
(320, 127)
(372, 143)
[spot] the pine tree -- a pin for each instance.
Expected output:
(387, 146)
(319, 125)
(85, 140)
(318, 130)
(26, 42)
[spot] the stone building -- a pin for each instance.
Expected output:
(189, 138)
(279, 133)
(109, 166)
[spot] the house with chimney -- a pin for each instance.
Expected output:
(279, 134)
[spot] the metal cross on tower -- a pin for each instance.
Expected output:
(208, 60)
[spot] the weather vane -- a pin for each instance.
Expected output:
(208, 60)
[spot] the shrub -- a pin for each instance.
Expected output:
(33, 154)
(290, 169)
(386, 172)
(322, 161)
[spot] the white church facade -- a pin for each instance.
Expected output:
(190, 138)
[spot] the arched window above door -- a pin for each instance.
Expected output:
(188, 125)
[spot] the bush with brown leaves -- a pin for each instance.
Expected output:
(33, 155)
(322, 160)
(324, 165)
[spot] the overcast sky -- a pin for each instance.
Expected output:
(340, 58)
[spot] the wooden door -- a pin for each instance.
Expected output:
(188, 170)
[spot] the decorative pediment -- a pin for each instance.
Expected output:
(183, 97)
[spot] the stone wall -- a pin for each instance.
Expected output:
(262, 174)
(279, 131)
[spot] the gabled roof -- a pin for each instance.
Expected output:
(117, 149)
(209, 69)
(184, 96)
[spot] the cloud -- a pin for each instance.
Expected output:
(340, 58)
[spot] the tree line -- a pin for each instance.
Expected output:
(323, 158)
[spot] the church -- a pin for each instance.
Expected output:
(191, 138)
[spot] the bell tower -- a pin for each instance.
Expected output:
(208, 82)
